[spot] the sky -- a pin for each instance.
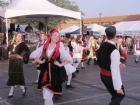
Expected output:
(92, 8)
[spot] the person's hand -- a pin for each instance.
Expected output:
(12, 56)
(42, 61)
(120, 92)
(34, 61)
(122, 66)
(19, 57)
(57, 63)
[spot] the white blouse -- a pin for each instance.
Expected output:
(63, 53)
(115, 70)
(50, 51)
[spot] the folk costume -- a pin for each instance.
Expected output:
(109, 61)
(137, 50)
(15, 72)
(52, 76)
(36, 54)
(77, 53)
(123, 54)
(69, 68)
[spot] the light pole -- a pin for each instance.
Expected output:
(81, 24)
(100, 16)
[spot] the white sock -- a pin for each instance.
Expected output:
(38, 73)
(82, 64)
(48, 102)
(69, 79)
(47, 96)
(11, 91)
(22, 88)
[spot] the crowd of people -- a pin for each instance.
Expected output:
(57, 58)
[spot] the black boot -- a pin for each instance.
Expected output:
(88, 62)
(95, 62)
(69, 87)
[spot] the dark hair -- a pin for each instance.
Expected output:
(68, 35)
(110, 32)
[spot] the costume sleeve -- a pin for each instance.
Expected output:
(26, 54)
(64, 55)
(115, 70)
(36, 54)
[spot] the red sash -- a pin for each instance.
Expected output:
(125, 54)
(105, 72)
(137, 46)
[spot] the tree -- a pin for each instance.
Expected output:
(51, 22)
(3, 3)
(67, 4)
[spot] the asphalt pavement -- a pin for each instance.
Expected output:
(88, 90)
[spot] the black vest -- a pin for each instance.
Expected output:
(104, 55)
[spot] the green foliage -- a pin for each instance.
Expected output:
(51, 22)
(67, 4)
(3, 3)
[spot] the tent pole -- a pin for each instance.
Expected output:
(7, 42)
(81, 26)
(46, 24)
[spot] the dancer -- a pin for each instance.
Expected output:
(109, 62)
(52, 61)
(137, 49)
(37, 53)
(68, 67)
(77, 51)
(18, 53)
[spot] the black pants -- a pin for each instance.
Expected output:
(0, 52)
(116, 98)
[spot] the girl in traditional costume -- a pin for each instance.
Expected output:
(38, 51)
(137, 48)
(18, 54)
(52, 61)
(70, 69)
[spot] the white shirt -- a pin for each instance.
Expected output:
(50, 51)
(64, 55)
(77, 50)
(115, 69)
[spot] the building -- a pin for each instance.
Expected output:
(111, 20)
(101, 20)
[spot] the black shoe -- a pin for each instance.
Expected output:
(57, 96)
(136, 61)
(82, 68)
(77, 71)
(10, 96)
(88, 62)
(95, 62)
(73, 75)
(25, 92)
(69, 87)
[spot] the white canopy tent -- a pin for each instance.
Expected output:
(128, 27)
(96, 28)
(123, 26)
(19, 8)
(1, 12)
(69, 29)
(135, 26)
(35, 8)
